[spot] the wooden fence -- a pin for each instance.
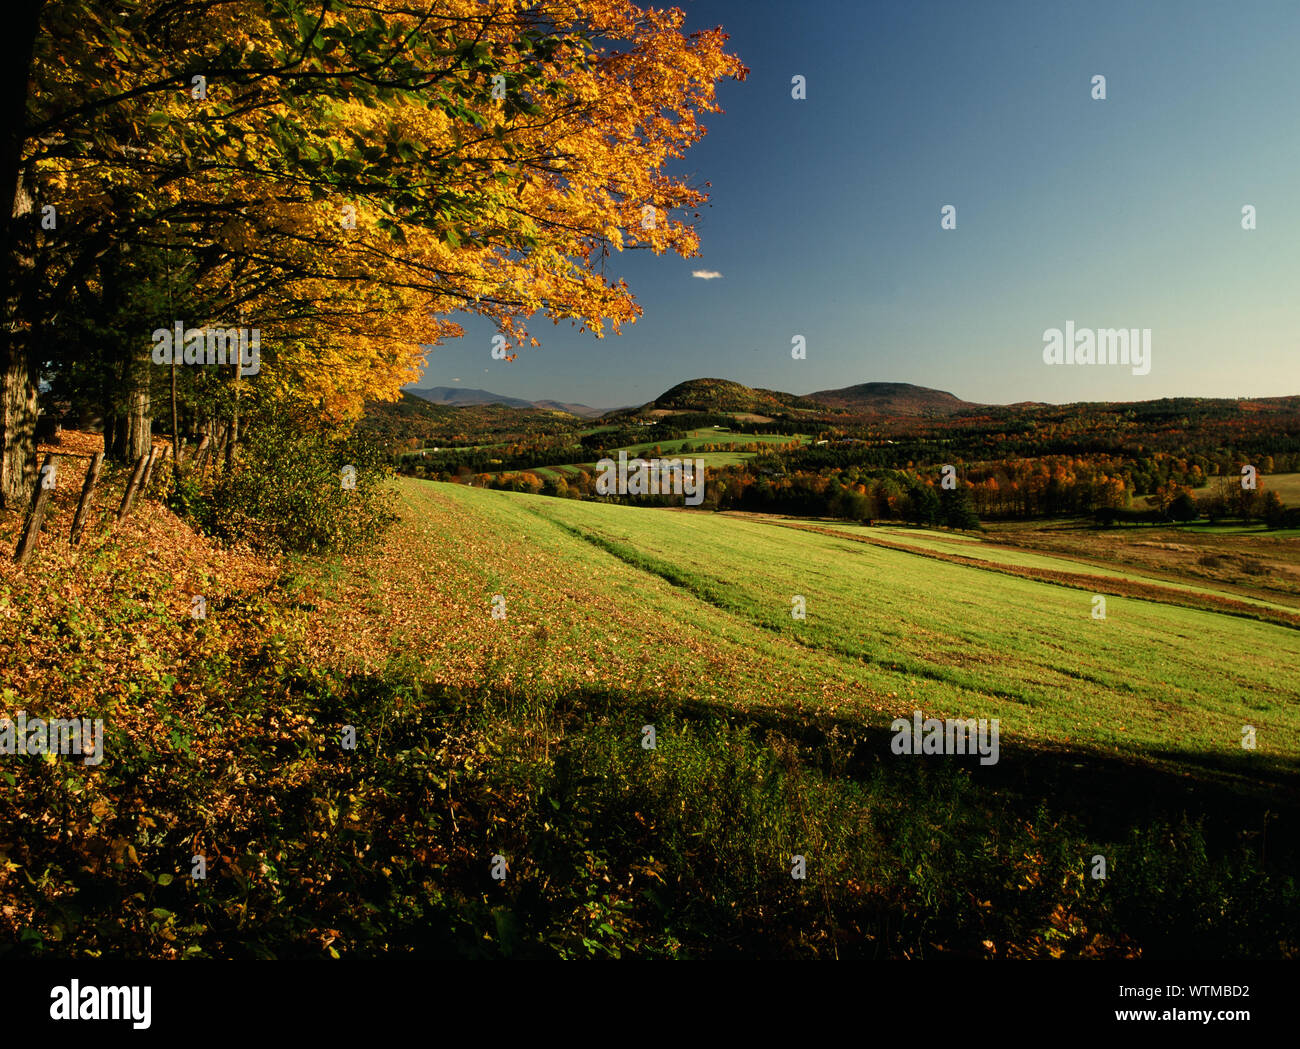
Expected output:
(141, 474)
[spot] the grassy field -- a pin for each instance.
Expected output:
(1120, 737)
(710, 459)
(1287, 487)
(709, 435)
(1249, 561)
(892, 632)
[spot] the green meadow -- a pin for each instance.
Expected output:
(1121, 741)
(951, 640)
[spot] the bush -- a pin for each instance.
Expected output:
(286, 490)
(186, 499)
(1183, 508)
(1274, 511)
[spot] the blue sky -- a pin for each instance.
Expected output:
(825, 217)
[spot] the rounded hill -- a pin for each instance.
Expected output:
(723, 395)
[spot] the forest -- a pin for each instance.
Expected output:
(1156, 462)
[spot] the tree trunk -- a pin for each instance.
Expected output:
(155, 456)
(200, 455)
(139, 419)
(17, 422)
(234, 421)
(176, 429)
(22, 23)
(222, 441)
(128, 497)
(132, 428)
(17, 374)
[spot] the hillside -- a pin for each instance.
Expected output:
(869, 398)
(893, 398)
(583, 411)
(773, 733)
(406, 418)
(412, 421)
(723, 395)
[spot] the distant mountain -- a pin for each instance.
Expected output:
(723, 395)
(463, 396)
(459, 396)
(893, 398)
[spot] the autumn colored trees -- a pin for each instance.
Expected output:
(345, 177)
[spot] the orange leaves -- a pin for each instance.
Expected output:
(492, 173)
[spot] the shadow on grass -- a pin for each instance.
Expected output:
(501, 823)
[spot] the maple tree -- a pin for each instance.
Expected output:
(345, 177)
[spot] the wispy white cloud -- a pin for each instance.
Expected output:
(706, 274)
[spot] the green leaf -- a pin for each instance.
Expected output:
(166, 879)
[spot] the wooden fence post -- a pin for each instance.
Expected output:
(219, 446)
(83, 504)
(40, 500)
(128, 497)
(154, 456)
(204, 453)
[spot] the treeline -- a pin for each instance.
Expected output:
(1020, 491)
(527, 453)
(890, 496)
(1142, 474)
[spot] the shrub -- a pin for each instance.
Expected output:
(1274, 511)
(186, 499)
(286, 490)
(1183, 507)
